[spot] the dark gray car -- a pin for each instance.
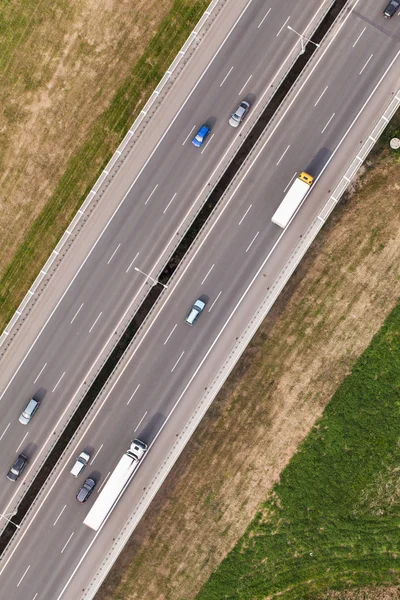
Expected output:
(86, 490)
(391, 9)
(17, 468)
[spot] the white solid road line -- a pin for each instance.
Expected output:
(283, 155)
(23, 575)
(245, 215)
(108, 223)
(226, 77)
(113, 254)
(283, 26)
(169, 203)
(205, 147)
(151, 194)
(209, 271)
(359, 37)
(94, 457)
(86, 551)
(22, 441)
(177, 362)
(241, 90)
(100, 406)
(365, 64)
(263, 19)
(170, 241)
(328, 123)
(132, 262)
(62, 510)
(171, 333)
(321, 96)
(188, 136)
(75, 315)
(67, 542)
(95, 322)
(136, 389)
(252, 241)
(42, 369)
(1, 437)
(140, 422)
(55, 387)
(210, 309)
(189, 263)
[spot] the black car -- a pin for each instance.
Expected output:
(391, 9)
(86, 490)
(17, 468)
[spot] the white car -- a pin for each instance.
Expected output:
(195, 312)
(80, 464)
(239, 114)
(29, 411)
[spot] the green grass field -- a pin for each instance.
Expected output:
(333, 520)
(85, 167)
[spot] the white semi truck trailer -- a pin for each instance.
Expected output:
(116, 484)
(294, 197)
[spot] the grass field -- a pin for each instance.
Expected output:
(336, 302)
(73, 77)
(334, 518)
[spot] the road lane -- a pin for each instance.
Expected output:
(146, 227)
(234, 286)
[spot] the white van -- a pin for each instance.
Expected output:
(80, 464)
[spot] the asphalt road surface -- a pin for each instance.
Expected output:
(54, 368)
(234, 262)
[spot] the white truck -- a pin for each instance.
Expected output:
(292, 200)
(115, 485)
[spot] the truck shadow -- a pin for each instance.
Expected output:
(319, 161)
(150, 430)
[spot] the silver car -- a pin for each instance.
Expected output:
(195, 312)
(29, 411)
(239, 114)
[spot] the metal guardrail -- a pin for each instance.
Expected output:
(237, 351)
(126, 146)
(100, 186)
(114, 163)
(77, 222)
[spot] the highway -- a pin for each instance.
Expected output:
(160, 188)
(237, 258)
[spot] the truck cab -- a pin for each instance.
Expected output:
(138, 449)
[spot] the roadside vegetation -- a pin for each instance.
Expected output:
(74, 75)
(333, 519)
(300, 451)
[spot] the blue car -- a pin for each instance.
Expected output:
(200, 136)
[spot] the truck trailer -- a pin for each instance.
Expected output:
(116, 484)
(292, 200)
